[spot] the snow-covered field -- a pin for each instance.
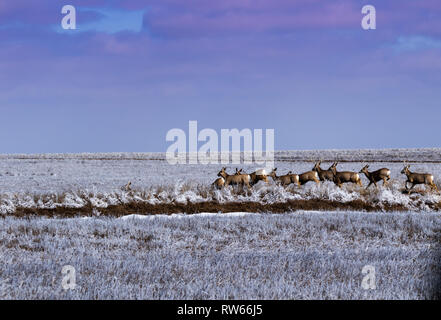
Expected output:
(291, 254)
(75, 181)
(303, 255)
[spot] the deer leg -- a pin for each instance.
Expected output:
(384, 181)
(368, 185)
(413, 185)
(375, 183)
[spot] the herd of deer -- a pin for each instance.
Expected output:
(317, 174)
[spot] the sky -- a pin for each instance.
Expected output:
(133, 70)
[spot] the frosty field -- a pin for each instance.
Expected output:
(268, 243)
(75, 184)
(304, 255)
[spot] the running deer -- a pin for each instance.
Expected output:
(418, 178)
(234, 179)
(375, 176)
(256, 176)
(309, 176)
(345, 176)
(323, 174)
(286, 179)
(259, 175)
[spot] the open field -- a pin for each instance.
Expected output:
(69, 185)
(149, 243)
(304, 255)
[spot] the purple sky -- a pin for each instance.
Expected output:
(135, 69)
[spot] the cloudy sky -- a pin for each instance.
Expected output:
(132, 70)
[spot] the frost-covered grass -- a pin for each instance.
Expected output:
(244, 256)
(108, 172)
(382, 198)
(306, 255)
(397, 154)
(73, 181)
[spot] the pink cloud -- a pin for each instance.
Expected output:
(177, 18)
(261, 16)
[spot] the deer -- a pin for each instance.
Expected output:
(323, 174)
(234, 179)
(341, 177)
(219, 183)
(309, 176)
(418, 178)
(128, 186)
(258, 175)
(286, 179)
(375, 176)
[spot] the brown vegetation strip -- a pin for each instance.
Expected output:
(211, 206)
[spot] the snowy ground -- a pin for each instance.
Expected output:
(52, 173)
(304, 255)
(48, 181)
